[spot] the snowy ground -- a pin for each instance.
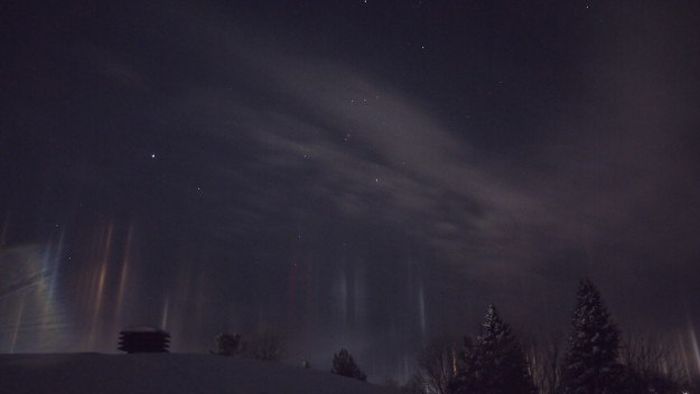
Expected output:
(165, 373)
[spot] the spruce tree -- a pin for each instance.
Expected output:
(228, 344)
(591, 363)
(496, 363)
(344, 365)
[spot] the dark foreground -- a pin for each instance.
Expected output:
(165, 373)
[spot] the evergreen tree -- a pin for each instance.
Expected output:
(344, 365)
(228, 344)
(464, 378)
(591, 364)
(495, 364)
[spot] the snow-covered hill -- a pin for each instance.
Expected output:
(165, 373)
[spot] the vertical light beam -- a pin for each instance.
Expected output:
(124, 274)
(164, 316)
(421, 310)
(694, 344)
(18, 323)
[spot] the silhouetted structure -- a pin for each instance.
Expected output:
(144, 340)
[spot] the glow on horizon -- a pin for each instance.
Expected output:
(30, 304)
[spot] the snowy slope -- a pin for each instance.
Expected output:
(165, 373)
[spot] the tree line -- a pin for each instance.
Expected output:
(596, 361)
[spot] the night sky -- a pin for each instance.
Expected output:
(368, 174)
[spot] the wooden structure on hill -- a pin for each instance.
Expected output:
(144, 340)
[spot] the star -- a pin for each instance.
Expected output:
(153, 155)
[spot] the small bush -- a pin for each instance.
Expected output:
(344, 365)
(228, 344)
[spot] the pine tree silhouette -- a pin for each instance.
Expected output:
(344, 365)
(496, 363)
(591, 363)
